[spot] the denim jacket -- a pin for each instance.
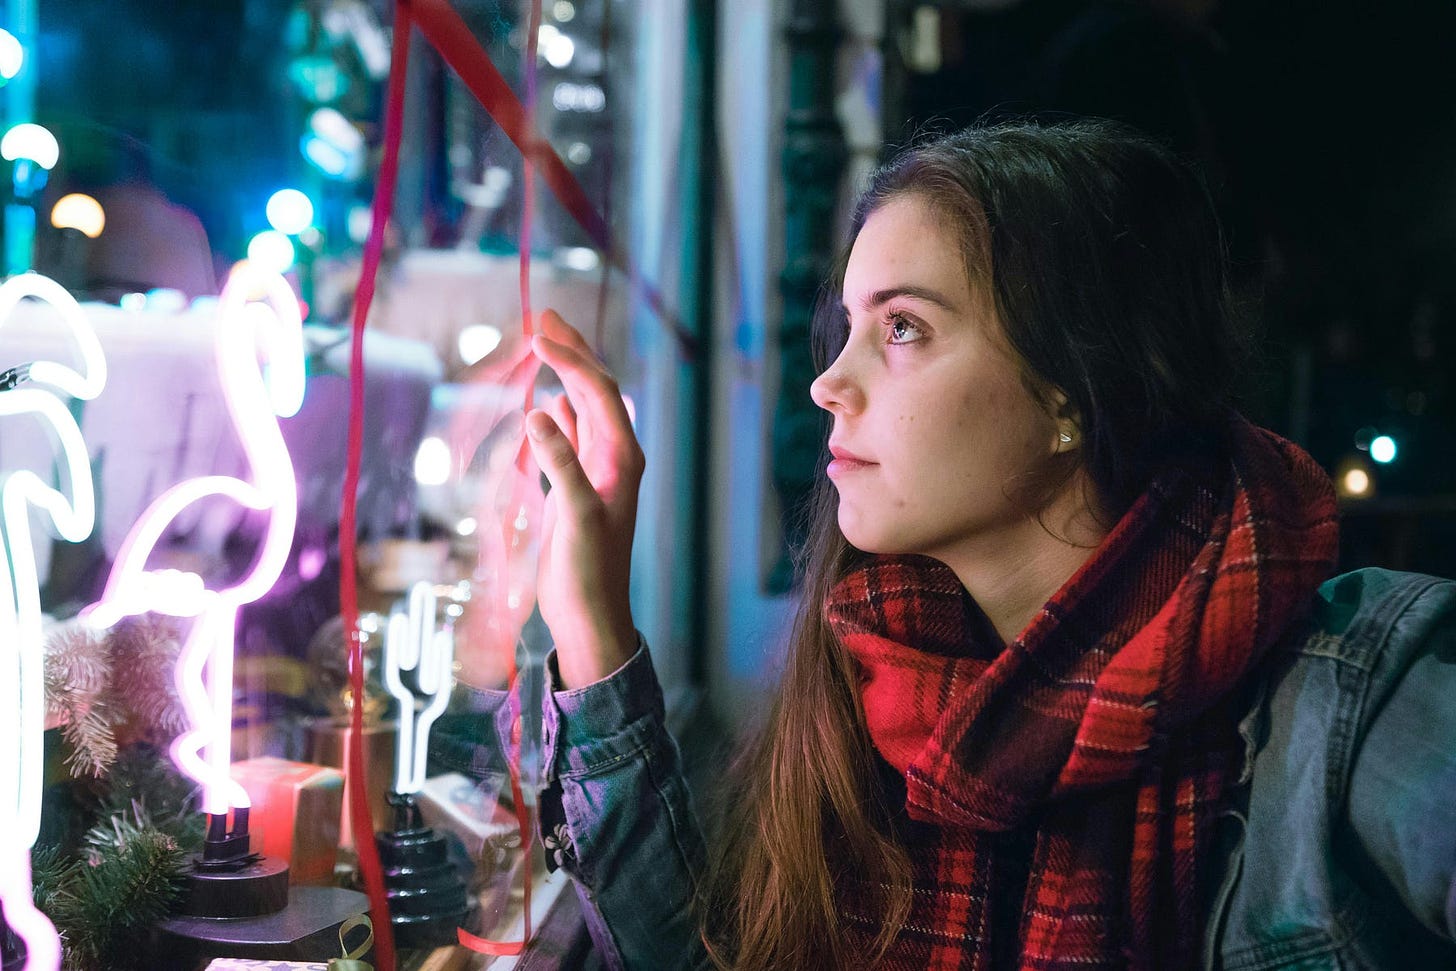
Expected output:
(1339, 845)
(1344, 828)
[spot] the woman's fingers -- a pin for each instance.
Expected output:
(554, 326)
(584, 444)
(588, 386)
(558, 461)
(565, 417)
(579, 353)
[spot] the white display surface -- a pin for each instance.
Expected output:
(161, 419)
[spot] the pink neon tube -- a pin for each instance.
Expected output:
(257, 308)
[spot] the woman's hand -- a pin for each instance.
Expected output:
(589, 454)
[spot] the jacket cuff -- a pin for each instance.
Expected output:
(587, 729)
(472, 736)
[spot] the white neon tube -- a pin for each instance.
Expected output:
(22, 651)
(416, 641)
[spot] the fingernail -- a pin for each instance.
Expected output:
(540, 426)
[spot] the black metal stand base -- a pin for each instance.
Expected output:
(239, 904)
(305, 929)
(256, 890)
(427, 900)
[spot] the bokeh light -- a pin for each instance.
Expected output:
(556, 47)
(272, 250)
(334, 145)
(31, 141)
(290, 211)
(432, 462)
(476, 341)
(1355, 482)
(1382, 449)
(80, 212)
(582, 258)
(12, 56)
(359, 221)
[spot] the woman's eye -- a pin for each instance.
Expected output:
(902, 330)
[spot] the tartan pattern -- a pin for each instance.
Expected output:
(1079, 768)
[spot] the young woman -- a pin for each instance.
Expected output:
(1062, 692)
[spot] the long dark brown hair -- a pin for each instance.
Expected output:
(1106, 264)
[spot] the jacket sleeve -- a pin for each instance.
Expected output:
(1402, 808)
(624, 825)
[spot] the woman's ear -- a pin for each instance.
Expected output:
(1066, 423)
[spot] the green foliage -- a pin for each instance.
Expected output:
(107, 899)
(146, 780)
(50, 870)
(110, 902)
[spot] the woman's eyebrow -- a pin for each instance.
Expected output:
(881, 297)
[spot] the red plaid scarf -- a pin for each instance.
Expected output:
(1058, 792)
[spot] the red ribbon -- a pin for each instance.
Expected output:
(360, 820)
(449, 35)
(524, 822)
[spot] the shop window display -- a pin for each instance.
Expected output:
(190, 724)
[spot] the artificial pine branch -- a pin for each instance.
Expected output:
(107, 899)
(107, 689)
(77, 680)
(93, 744)
(106, 907)
(50, 870)
(143, 652)
(146, 785)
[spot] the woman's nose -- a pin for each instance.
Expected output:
(834, 391)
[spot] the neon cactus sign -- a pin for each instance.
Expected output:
(257, 309)
(415, 640)
(22, 660)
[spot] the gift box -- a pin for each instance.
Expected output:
(328, 744)
(295, 814)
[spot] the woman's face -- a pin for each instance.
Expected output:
(933, 427)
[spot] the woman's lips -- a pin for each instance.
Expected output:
(843, 463)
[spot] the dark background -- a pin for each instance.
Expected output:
(1327, 131)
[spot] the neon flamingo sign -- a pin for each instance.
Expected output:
(257, 309)
(22, 661)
